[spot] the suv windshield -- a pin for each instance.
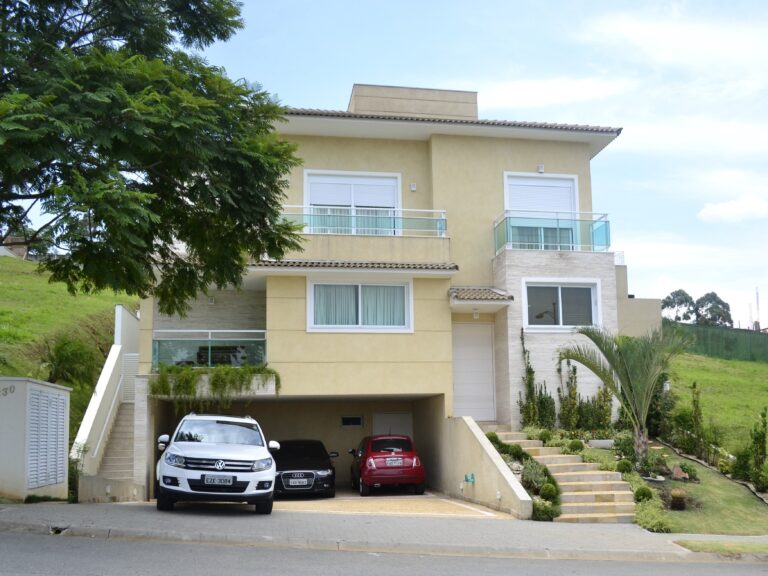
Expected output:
(219, 432)
(391, 445)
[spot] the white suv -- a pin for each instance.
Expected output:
(216, 458)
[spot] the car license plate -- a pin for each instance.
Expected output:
(218, 480)
(297, 482)
(394, 461)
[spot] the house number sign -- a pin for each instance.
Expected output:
(7, 391)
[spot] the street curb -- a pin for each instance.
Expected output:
(683, 555)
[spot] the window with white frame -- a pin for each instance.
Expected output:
(353, 203)
(542, 211)
(359, 306)
(561, 304)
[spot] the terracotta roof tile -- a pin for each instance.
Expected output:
(499, 123)
(354, 265)
(478, 293)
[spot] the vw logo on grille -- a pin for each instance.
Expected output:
(219, 465)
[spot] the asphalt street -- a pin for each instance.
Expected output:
(35, 555)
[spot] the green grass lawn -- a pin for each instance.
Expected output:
(717, 505)
(32, 309)
(733, 392)
(724, 547)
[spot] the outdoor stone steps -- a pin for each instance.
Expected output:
(551, 459)
(564, 467)
(586, 476)
(512, 437)
(598, 508)
(597, 518)
(587, 486)
(537, 451)
(606, 496)
(526, 444)
(117, 462)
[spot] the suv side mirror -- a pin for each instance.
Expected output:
(162, 442)
(351, 451)
(273, 445)
(333, 454)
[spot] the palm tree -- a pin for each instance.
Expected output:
(631, 368)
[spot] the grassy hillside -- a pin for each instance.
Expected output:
(31, 310)
(35, 314)
(733, 392)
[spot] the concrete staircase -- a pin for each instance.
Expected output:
(117, 462)
(588, 495)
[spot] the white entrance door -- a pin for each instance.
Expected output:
(473, 380)
(393, 423)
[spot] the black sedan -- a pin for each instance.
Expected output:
(305, 467)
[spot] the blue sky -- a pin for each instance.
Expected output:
(685, 186)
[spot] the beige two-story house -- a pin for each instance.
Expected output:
(433, 239)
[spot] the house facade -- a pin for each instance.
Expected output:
(433, 241)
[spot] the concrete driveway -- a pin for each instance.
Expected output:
(389, 502)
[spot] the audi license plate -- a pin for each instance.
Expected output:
(394, 461)
(218, 480)
(297, 482)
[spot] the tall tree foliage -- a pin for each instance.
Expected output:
(709, 310)
(132, 147)
(630, 368)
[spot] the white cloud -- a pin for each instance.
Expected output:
(745, 207)
(696, 135)
(539, 93)
(667, 263)
(714, 47)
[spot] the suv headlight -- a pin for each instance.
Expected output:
(173, 459)
(263, 464)
(323, 473)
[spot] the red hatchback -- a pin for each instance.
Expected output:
(388, 460)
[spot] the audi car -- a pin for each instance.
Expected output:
(305, 467)
(386, 460)
(216, 459)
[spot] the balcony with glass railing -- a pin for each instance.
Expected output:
(562, 231)
(207, 348)
(358, 221)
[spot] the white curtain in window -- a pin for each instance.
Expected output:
(335, 305)
(383, 305)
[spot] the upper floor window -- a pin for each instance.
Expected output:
(561, 304)
(364, 307)
(542, 212)
(353, 202)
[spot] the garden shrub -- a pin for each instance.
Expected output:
(544, 511)
(545, 436)
(677, 499)
(758, 436)
(568, 398)
(643, 493)
(534, 476)
(549, 492)
(761, 479)
(689, 469)
(624, 445)
(649, 514)
(724, 465)
(624, 466)
(575, 445)
(546, 408)
(741, 467)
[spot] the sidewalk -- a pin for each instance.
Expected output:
(464, 536)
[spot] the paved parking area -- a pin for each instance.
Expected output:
(389, 502)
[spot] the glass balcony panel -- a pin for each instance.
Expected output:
(558, 231)
(184, 349)
(367, 221)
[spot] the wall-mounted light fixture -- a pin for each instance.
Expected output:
(475, 314)
(540, 168)
(412, 187)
